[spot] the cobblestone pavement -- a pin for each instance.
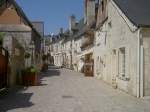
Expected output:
(63, 90)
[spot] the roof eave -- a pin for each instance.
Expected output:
(144, 26)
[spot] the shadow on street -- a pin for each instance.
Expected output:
(51, 72)
(15, 98)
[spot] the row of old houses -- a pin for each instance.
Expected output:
(21, 38)
(111, 42)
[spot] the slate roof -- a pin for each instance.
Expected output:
(137, 11)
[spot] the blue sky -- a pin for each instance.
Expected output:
(54, 13)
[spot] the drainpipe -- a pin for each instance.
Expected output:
(139, 66)
(71, 61)
(142, 72)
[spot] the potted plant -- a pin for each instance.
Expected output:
(29, 76)
(33, 75)
(44, 65)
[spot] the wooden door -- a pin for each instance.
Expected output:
(89, 65)
(3, 68)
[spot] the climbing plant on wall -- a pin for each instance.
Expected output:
(1, 38)
(27, 55)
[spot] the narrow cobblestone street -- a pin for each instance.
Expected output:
(62, 90)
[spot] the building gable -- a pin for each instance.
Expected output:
(129, 23)
(17, 14)
(137, 11)
(10, 16)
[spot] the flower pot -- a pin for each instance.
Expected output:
(33, 79)
(29, 79)
(29, 76)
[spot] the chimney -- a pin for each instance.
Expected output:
(61, 31)
(85, 11)
(90, 6)
(72, 23)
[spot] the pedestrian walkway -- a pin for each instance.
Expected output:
(63, 90)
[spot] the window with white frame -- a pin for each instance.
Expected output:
(122, 62)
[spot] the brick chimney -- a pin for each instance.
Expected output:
(90, 6)
(72, 23)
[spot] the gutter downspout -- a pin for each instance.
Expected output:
(139, 65)
(142, 72)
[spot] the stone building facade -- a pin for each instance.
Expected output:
(121, 48)
(114, 40)
(20, 37)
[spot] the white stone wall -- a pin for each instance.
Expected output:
(100, 50)
(58, 51)
(76, 52)
(145, 43)
(16, 44)
(55, 53)
(68, 53)
(7, 43)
